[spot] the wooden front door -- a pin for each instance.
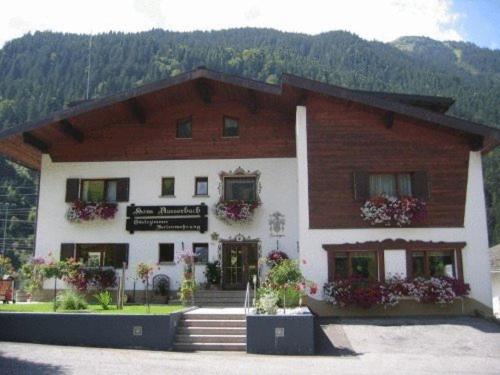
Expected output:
(239, 264)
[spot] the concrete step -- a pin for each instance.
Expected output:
(208, 316)
(226, 339)
(219, 303)
(212, 330)
(212, 323)
(209, 346)
(221, 292)
(220, 298)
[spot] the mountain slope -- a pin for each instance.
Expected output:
(45, 71)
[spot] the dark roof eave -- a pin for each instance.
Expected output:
(91, 105)
(374, 101)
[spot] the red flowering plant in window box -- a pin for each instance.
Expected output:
(392, 211)
(366, 294)
(235, 211)
(80, 211)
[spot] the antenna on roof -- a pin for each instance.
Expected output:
(88, 69)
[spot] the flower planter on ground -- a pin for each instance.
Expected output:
(291, 333)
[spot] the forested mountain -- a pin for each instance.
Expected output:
(45, 71)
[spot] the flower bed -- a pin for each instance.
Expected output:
(361, 293)
(275, 257)
(390, 211)
(235, 211)
(87, 211)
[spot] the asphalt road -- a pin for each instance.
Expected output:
(361, 346)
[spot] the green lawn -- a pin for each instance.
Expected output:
(128, 309)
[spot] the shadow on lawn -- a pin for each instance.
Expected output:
(13, 365)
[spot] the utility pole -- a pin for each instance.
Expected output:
(6, 205)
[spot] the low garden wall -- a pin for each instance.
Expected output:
(406, 307)
(280, 334)
(154, 332)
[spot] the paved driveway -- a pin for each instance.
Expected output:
(389, 346)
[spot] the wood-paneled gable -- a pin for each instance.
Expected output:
(345, 137)
(118, 133)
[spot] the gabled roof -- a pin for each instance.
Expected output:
(427, 108)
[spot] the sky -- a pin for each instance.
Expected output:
(476, 21)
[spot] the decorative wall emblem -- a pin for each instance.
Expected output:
(277, 224)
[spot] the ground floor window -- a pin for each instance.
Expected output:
(201, 252)
(97, 255)
(432, 263)
(357, 264)
(166, 253)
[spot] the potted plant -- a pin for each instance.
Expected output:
(212, 273)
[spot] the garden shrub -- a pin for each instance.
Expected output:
(104, 299)
(71, 300)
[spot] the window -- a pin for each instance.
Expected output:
(184, 128)
(432, 263)
(358, 264)
(166, 253)
(99, 190)
(230, 127)
(167, 187)
(200, 251)
(240, 189)
(393, 185)
(97, 255)
(201, 186)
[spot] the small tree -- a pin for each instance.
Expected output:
(6, 266)
(59, 269)
(32, 275)
(144, 272)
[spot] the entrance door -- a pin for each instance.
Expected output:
(239, 264)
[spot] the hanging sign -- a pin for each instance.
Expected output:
(167, 218)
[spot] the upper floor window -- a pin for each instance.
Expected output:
(240, 189)
(184, 128)
(230, 127)
(402, 184)
(97, 190)
(392, 185)
(167, 186)
(201, 186)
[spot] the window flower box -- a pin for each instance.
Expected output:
(80, 211)
(367, 294)
(236, 211)
(392, 211)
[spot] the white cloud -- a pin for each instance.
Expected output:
(383, 20)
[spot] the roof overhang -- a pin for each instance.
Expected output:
(19, 144)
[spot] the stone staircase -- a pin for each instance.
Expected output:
(220, 298)
(220, 329)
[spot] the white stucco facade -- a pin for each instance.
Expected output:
(278, 179)
(285, 188)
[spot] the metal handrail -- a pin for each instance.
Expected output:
(247, 299)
